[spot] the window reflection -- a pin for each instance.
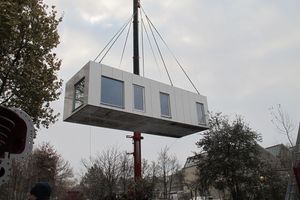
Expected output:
(139, 96)
(112, 92)
(165, 104)
(200, 113)
(79, 94)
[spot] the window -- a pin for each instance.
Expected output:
(165, 109)
(200, 113)
(138, 97)
(78, 94)
(112, 92)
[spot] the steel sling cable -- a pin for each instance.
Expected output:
(125, 45)
(173, 55)
(142, 45)
(157, 46)
(116, 34)
(149, 41)
(114, 42)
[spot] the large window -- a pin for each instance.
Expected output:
(165, 108)
(200, 113)
(139, 97)
(112, 92)
(78, 94)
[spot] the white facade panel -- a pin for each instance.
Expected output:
(148, 98)
(179, 106)
(106, 71)
(186, 106)
(127, 78)
(183, 119)
(155, 112)
(94, 84)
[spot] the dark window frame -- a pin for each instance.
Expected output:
(144, 100)
(169, 105)
(200, 119)
(123, 93)
(82, 80)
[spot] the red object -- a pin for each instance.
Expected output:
(137, 155)
(296, 169)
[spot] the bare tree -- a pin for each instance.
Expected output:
(104, 174)
(109, 162)
(286, 126)
(168, 167)
(45, 164)
(283, 123)
(126, 173)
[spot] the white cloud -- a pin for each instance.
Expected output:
(244, 55)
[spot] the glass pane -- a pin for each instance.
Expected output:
(112, 92)
(138, 93)
(165, 104)
(78, 94)
(200, 113)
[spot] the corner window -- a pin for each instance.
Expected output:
(200, 113)
(139, 97)
(112, 92)
(78, 94)
(165, 108)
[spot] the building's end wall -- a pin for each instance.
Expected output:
(70, 88)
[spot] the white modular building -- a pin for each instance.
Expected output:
(103, 96)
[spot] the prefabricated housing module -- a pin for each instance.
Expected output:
(103, 96)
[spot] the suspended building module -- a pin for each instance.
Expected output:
(103, 96)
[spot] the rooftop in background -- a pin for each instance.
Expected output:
(277, 149)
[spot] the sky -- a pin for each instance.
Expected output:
(243, 55)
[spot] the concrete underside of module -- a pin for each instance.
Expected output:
(115, 119)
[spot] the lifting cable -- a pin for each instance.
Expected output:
(113, 39)
(173, 55)
(114, 42)
(124, 47)
(159, 51)
(143, 27)
(149, 41)
(142, 42)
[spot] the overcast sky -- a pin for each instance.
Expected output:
(243, 55)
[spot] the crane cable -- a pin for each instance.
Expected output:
(149, 41)
(159, 51)
(142, 42)
(125, 44)
(173, 55)
(113, 39)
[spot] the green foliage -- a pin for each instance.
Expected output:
(229, 160)
(92, 183)
(28, 67)
(273, 184)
